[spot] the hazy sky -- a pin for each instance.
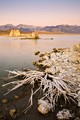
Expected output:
(40, 12)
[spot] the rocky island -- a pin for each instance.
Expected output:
(14, 33)
(17, 33)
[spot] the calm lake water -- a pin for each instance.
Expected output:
(18, 54)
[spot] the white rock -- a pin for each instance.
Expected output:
(64, 114)
(44, 107)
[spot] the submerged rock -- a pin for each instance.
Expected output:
(4, 100)
(16, 97)
(13, 113)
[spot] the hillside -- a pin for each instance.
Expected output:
(74, 29)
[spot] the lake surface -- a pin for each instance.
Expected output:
(18, 54)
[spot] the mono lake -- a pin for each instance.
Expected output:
(18, 54)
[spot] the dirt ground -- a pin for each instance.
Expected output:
(18, 100)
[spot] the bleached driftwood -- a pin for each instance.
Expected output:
(28, 77)
(52, 87)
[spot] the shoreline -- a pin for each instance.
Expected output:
(40, 33)
(16, 101)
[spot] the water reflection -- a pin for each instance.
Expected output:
(17, 54)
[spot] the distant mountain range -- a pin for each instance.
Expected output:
(53, 29)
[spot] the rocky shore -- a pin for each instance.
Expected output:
(52, 92)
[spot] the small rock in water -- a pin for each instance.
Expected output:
(64, 114)
(34, 63)
(16, 97)
(37, 52)
(4, 100)
(13, 113)
(43, 108)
